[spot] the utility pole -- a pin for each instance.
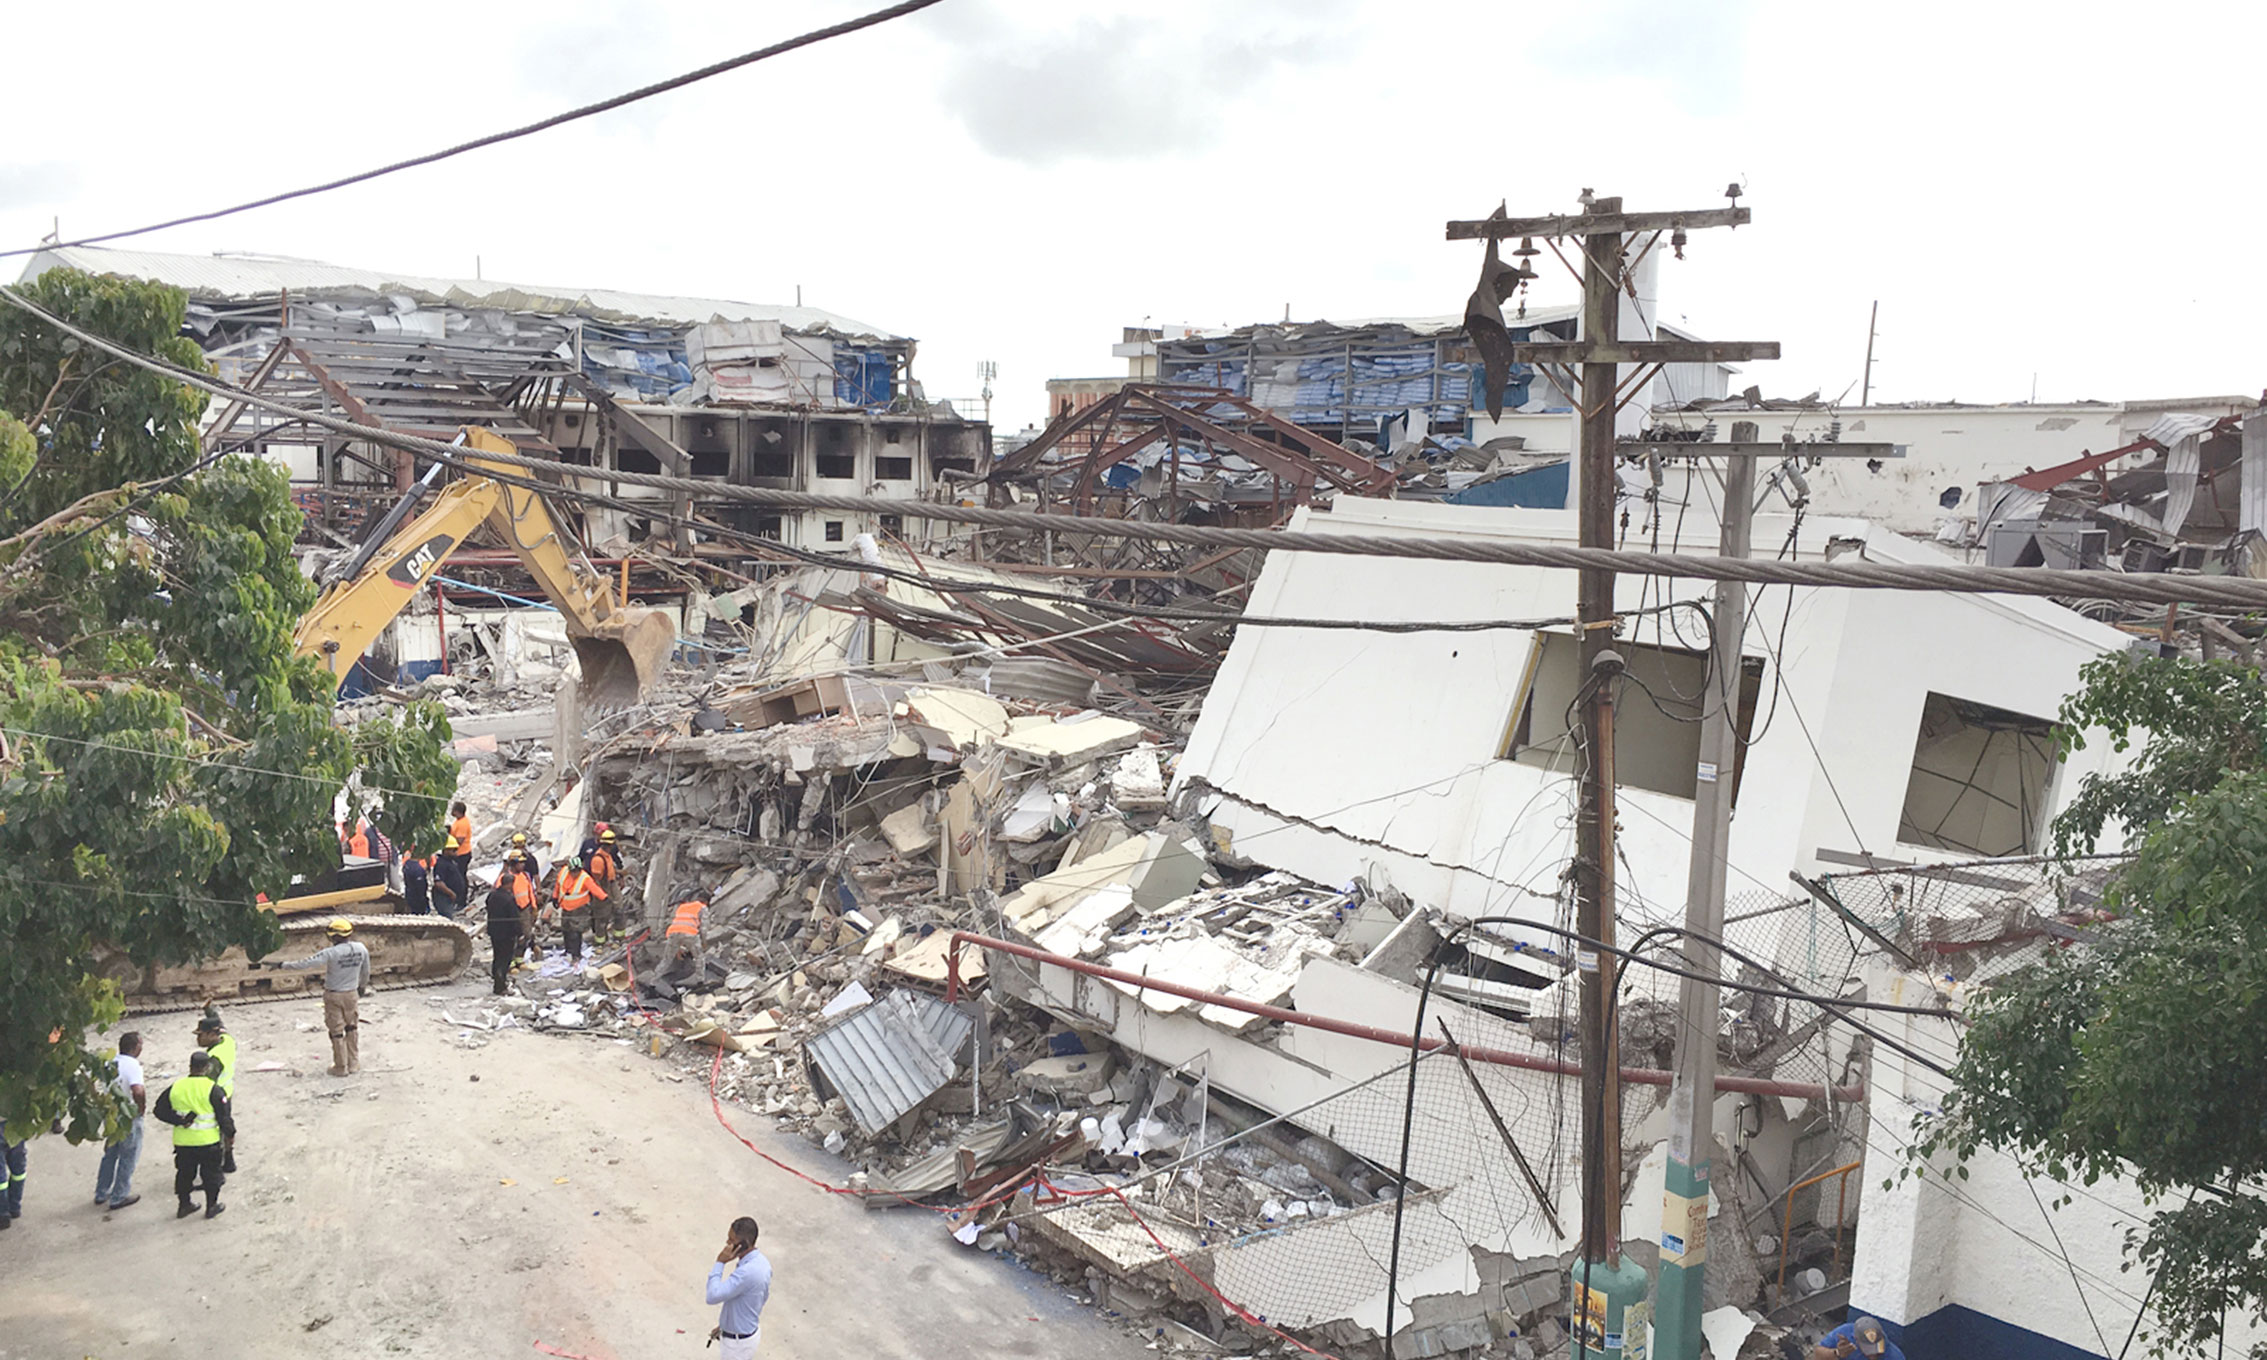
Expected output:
(1604, 1283)
(1865, 387)
(1692, 1097)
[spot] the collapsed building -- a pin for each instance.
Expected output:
(1117, 934)
(2130, 486)
(1116, 979)
(790, 397)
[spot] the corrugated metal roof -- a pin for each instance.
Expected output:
(886, 1058)
(262, 276)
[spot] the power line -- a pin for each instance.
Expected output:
(2048, 582)
(818, 35)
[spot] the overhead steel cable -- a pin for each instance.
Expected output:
(2240, 593)
(643, 92)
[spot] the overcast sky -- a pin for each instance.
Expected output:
(2066, 191)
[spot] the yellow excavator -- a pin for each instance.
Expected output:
(621, 648)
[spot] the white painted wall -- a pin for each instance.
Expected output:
(1949, 447)
(1333, 751)
(1986, 1243)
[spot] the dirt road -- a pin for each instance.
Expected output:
(553, 1189)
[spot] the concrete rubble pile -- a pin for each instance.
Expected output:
(842, 828)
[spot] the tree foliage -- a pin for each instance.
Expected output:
(2200, 720)
(2142, 1052)
(164, 757)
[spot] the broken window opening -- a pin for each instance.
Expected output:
(894, 525)
(715, 465)
(1981, 780)
(841, 466)
(769, 526)
(893, 469)
(631, 458)
(1657, 719)
(834, 531)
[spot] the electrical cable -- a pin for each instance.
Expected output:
(2236, 592)
(2056, 1233)
(643, 92)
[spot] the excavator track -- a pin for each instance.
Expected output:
(405, 951)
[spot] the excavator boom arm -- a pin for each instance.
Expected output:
(621, 647)
(352, 613)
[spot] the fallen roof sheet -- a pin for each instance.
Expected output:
(886, 1058)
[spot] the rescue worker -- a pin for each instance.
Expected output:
(521, 887)
(425, 886)
(605, 864)
(460, 844)
(357, 841)
(214, 1038)
(683, 940)
(598, 832)
(519, 859)
(346, 978)
(572, 894)
(503, 932)
(523, 856)
(461, 851)
(448, 868)
(204, 1134)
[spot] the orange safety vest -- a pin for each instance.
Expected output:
(575, 890)
(358, 843)
(688, 919)
(461, 828)
(523, 891)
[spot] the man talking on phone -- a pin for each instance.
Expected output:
(740, 1281)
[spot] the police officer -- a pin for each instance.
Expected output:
(214, 1038)
(204, 1131)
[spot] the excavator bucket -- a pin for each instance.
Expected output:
(623, 655)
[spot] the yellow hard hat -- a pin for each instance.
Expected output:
(451, 845)
(519, 838)
(340, 926)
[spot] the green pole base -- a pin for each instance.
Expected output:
(1602, 1296)
(1684, 1256)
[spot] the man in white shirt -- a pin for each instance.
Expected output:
(741, 1282)
(114, 1183)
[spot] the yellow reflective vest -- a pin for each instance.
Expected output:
(193, 1096)
(224, 1053)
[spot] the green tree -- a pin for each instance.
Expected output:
(164, 757)
(2143, 1052)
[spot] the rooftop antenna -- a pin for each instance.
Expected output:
(798, 295)
(476, 269)
(54, 237)
(988, 370)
